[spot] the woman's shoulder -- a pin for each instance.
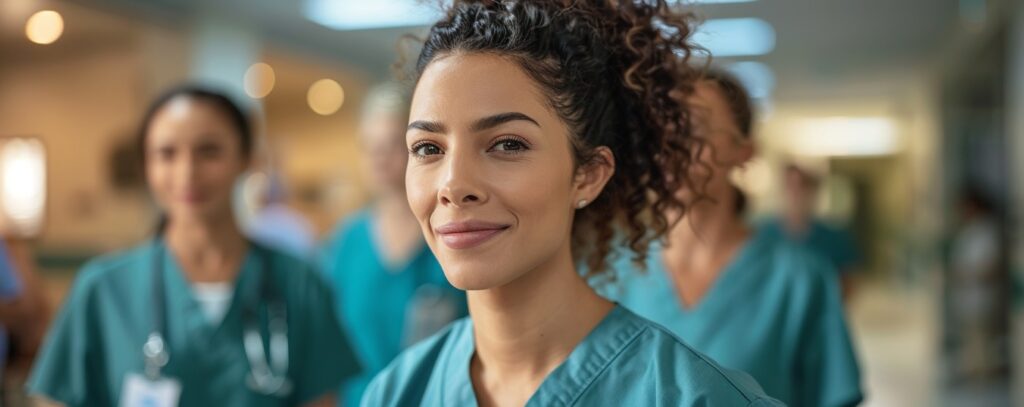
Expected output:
(115, 272)
(407, 377)
(290, 270)
(669, 362)
(119, 259)
(112, 265)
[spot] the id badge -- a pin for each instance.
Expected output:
(141, 391)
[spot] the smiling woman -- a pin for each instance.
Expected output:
(182, 318)
(499, 172)
(516, 180)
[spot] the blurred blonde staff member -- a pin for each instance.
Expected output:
(390, 289)
(275, 223)
(198, 315)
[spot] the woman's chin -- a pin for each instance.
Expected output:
(475, 278)
(205, 212)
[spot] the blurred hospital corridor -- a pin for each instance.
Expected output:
(876, 143)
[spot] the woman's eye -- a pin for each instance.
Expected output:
(509, 145)
(165, 153)
(209, 151)
(425, 149)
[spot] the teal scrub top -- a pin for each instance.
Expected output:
(383, 308)
(97, 339)
(833, 243)
(774, 312)
(625, 361)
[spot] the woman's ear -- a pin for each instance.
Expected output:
(592, 176)
(747, 151)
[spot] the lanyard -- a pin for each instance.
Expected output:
(265, 378)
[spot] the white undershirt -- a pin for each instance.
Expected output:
(214, 299)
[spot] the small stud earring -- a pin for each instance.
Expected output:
(581, 204)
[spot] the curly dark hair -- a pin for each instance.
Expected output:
(617, 73)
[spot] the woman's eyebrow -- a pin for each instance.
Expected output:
(427, 126)
(499, 119)
(479, 125)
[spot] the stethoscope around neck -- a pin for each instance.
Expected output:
(264, 378)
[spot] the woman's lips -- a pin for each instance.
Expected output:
(469, 234)
(192, 198)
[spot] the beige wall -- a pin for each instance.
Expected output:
(903, 186)
(317, 153)
(82, 103)
(79, 107)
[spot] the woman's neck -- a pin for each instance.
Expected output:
(527, 328)
(700, 246)
(398, 236)
(394, 206)
(709, 233)
(207, 251)
(710, 223)
(796, 222)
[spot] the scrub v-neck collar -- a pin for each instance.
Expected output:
(567, 382)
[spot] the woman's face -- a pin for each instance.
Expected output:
(383, 138)
(193, 157)
(490, 175)
(726, 147)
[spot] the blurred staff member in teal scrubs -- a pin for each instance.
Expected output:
(197, 316)
(390, 291)
(753, 303)
(798, 225)
(534, 127)
(275, 224)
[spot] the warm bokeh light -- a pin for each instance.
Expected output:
(44, 27)
(844, 137)
(23, 183)
(325, 97)
(259, 80)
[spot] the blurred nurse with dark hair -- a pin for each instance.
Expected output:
(752, 302)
